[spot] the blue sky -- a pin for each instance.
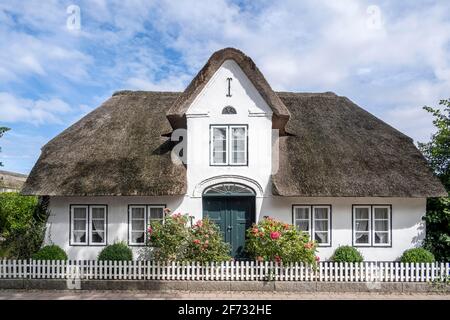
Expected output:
(390, 57)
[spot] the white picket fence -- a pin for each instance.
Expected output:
(224, 271)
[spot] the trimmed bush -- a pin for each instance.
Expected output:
(116, 252)
(417, 255)
(50, 252)
(347, 254)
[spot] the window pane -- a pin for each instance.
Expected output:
(220, 133)
(156, 213)
(321, 225)
(219, 157)
(79, 225)
(301, 213)
(219, 145)
(238, 157)
(361, 213)
(137, 213)
(321, 237)
(79, 236)
(381, 213)
(302, 225)
(238, 133)
(98, 225)
(381, 237)
(362, 225)
(382, 225)
(362, 237)
(137, 237)
(98, 213)
(238, 140)
(79, 213)
(98, 237)
(137, 225)
(320, 213)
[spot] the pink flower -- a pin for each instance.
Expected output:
(199, 223)
(255, 230)
(309, 245)
(196, 241)
(150, 230)
(317, 258)
(277, 258)
(274, 235)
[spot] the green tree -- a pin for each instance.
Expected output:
(437, 153)
(2, 131)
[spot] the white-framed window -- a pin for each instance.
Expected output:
(302, 218)
(228, 145)
(97, 218)
(79, 225)
(137, 225)
(361, 225)
(372, 225)
(140, 216)
(316, 220)
(381, 225)
(321, 225)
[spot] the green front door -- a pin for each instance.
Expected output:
(233, 215)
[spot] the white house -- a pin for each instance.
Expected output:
(231, 148)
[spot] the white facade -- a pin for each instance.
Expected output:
(408, 230)
(405, 225)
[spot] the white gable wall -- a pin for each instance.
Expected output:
(206, 110)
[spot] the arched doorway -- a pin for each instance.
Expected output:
(232, 207)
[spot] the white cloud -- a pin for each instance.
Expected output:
(15, 109)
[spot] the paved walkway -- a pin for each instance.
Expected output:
(177, 295)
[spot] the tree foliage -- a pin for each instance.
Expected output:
(22, 224)
(437, 153)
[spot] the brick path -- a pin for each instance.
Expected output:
(168, 295)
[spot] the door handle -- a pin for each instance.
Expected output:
(229, 228)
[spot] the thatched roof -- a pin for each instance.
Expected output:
(117, 149)
(338, 149)
(176, 113)
(11, 180)
(334, 148)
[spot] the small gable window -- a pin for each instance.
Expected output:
(229, 110)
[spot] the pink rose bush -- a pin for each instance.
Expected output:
(272, 240)
(176, 240)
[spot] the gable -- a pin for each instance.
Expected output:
(229, 87)
(177, 112)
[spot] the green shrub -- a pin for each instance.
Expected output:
(347, 254)
(169, 239)
(205, 243)
(16, 212)
(116, 252)
(417, 255)
(174, 240)
(50, 252)
(272, 240)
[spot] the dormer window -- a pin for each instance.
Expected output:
(228, 145)
(229, 110)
